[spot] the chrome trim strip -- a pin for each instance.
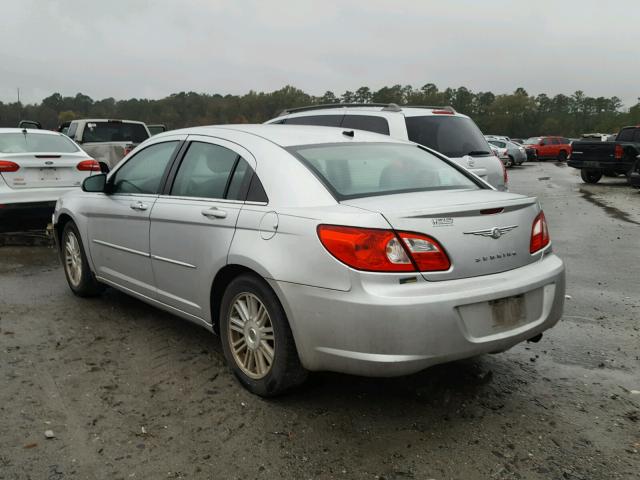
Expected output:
(175, 262)
(118, 247)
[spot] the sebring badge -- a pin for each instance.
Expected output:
(495, 232)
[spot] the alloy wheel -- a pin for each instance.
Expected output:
(73, 259)
(251, 337)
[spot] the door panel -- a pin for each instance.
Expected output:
(118, 222)
(189, 242)
(193, 226)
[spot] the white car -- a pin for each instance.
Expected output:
(37, 167)
(441, 129)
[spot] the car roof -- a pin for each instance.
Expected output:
(29, 130)
(289, 135)
(106, 120)
(391, 109)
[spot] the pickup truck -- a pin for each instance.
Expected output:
(595, 159)
(108, 141)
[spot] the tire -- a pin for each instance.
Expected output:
(80, 278)
(510, 162)
(562, 156)
(591, 176)
(255, 341)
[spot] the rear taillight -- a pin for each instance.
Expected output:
(619, 152)
(127, 149)
(539, 234)
(88, 166)
(7, 166)
(378, 250)
(505, 175)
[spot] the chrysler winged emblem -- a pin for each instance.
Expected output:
(495, 232)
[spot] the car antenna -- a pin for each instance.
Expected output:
(348, 133)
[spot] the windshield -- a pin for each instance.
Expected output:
(450, 135)
(35, 143)
(367, 169)
(114, 132)
(532, 141)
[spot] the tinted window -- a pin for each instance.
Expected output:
(366, 122)
(35, 142)
(256, 191)
(204, 171)
(636, 135)
(450, 135)
(114, 132)
(320, 120)
(358, 170)
(626, 135)
(239, 183)
(144, 171)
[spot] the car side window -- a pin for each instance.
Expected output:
(319, 120)
(144, 171)
(256, 191)
(205, 171)
(369, 123)
(240, 180)
(71, 132)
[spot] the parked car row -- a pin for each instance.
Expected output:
(509, 151)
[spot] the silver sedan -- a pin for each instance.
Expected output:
(309, 248)
(516, 154)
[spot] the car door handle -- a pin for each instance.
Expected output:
(139, 206)
(214, 212)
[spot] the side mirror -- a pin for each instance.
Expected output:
(95, 183)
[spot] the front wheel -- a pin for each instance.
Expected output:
(562, 156)
(591, 176)
(76, 267)
(256, 338)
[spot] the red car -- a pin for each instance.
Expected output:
(549, 147)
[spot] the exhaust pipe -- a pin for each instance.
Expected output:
(535, 339)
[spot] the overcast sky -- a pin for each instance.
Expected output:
(137, 48)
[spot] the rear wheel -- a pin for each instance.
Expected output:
(510, 162)
(562, 156)
(76, 267)
(256, 338)
(591, 176)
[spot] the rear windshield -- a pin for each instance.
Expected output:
(450, 135)
(36, 143)
(367, 169)
(114, 132)
(532, 141)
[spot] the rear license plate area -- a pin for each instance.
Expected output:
(592, 164)
(48, 174)
(508, 312)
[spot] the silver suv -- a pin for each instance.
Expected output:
(439, 128)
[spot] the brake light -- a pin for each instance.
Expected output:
(442, 112)
(7, 166)
(505, 175)
(378, 250)
(88, 166)
(127, 149)
(539, 233)
(619, 152)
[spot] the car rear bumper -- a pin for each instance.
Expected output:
(377, 329)
(617, 166)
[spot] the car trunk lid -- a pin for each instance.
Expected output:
(42, 170)
(600, 151)
(483, 232)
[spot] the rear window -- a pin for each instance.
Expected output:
(367, 169)
(450, 135)
(369, 123)
(114, 132)
(318, 120)
(626, 135)
(36, 143)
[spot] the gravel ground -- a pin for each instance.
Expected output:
(128, 391)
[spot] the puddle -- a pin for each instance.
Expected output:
(611, 211)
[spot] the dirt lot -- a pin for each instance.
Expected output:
(131, 392)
